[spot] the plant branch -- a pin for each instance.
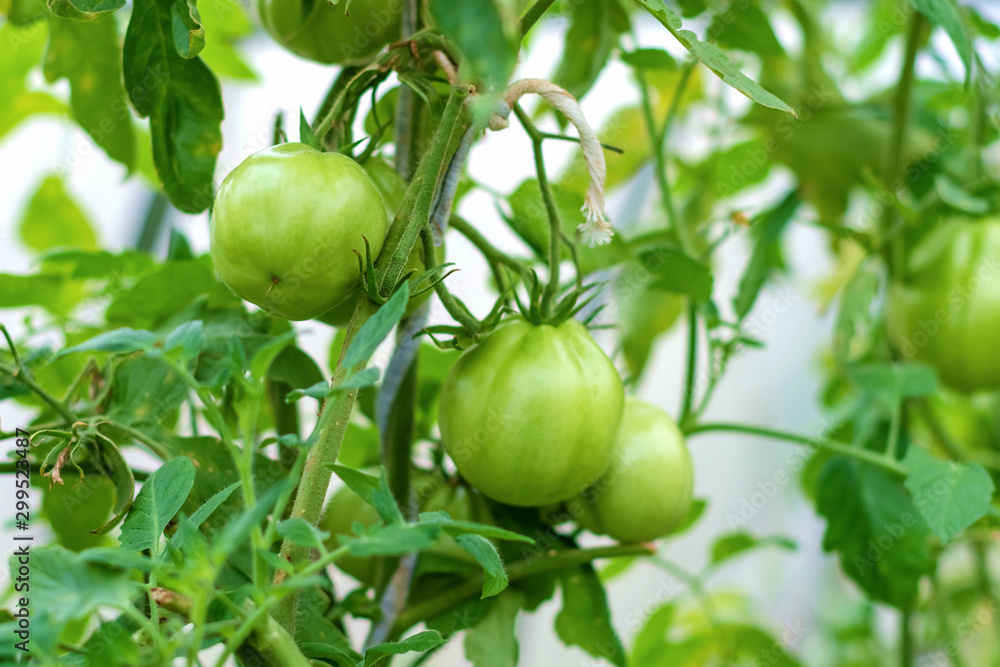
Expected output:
(21, 374)
(414, 215)
(841, 448)
(551, 209)
(455, 308)
(692, 366)
(533, 13)
(518, 570)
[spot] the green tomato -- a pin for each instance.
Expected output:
(320, 31)
(946, 309)
(646, 491)
(529, 416)
(285, 227)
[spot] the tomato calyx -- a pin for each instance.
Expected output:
(564, 309)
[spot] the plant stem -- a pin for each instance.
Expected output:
(692, 366)
(901, 113)
(406, 104)
(533, 13)
(148, 442)
(493, 256)
(551, 210)
(841, 448)
(414, 215)
(892, 450)
(905, 639)
(515, 571)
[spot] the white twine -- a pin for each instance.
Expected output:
(596, 230)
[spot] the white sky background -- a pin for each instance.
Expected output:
(777, 387)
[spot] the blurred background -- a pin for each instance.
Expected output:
(749, 484)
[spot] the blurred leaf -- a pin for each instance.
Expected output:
(182, 100)
(948, 15)
(584, 619)
(225, 24)
(768, 228)
(593, 33)
(145, 390)
(854, 318)
(895, 382)
(160, 498)
(649, 59)
(113, 465)
(100, 264)
(394, 539)
(484, 34)
(296, 369)
(164, 291)
(78, 507)
(268, 352)
(66, 587)
(493, 641)
(53, 219)
(115, 341)
(745, 26)
(712, 57)
(950, 496)
(187, 338)
(20, 51)
(47, 290)
(88, 55)
(733, 544)
(675, 272)
(360, 447)
(880, 536)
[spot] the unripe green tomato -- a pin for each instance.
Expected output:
(647, 490)
(320, 31)
(946, 309)
(530, 415)
(285, 227)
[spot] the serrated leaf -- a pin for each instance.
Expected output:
(950, 496)
(182, 100)
(712, 57)
(302, 532)
(158, 501)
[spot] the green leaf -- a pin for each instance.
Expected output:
(89, 56)
(85, 10)
(453, 527)
(894, 382)
(164, 291)
(485, 37)
(881, 537)
(373, 490)
(378, 326)
(649, 59)
(731, 545)
(188, 33)
(116, 467)
(268, 352)
(161, 496)
(948, 15)
(678, 273)
(100, 264)
(225, 24)
(745, 26)
(420, 642)
(494, 576)
(146, 389)
(855, 317)
(187, 338)
(202, 514)
(67, 587)
(493, 641)
(950, 496)
(182, 100)
(584, 619)
(768, 228)
(712, 57)
(50, 291)
(20, 51)
(302, 532)
(306, 134)
(117, 341)
(53, 219)
(593, 33)
(394, 539)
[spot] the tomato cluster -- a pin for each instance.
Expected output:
(533, 416)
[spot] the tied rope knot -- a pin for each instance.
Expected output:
(596, 230)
